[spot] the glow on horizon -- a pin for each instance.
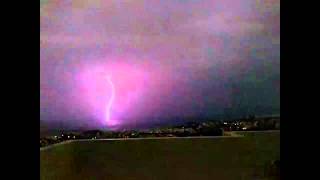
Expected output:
(109, 105)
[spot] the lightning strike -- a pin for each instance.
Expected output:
(109, 105)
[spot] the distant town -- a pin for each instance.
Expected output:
(207, 128)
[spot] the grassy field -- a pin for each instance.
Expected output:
(226, 158)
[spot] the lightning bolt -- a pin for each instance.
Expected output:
(109, 105)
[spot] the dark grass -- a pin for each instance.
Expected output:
(228, 158)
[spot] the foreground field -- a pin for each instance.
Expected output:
(225, 158)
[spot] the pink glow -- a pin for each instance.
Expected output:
(130, 82)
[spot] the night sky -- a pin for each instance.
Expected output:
(166, 59)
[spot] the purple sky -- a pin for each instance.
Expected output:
(167, 58)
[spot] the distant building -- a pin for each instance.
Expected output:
(93, 133)
(256, 123)
(179, 130)
(277, 126)
(190, 130)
